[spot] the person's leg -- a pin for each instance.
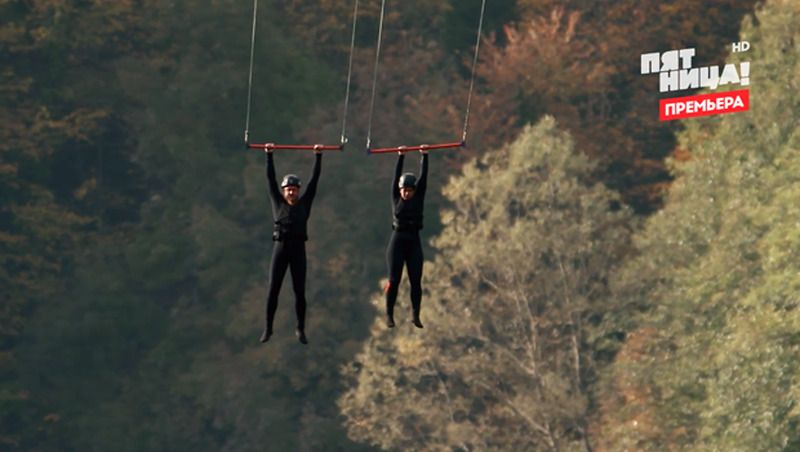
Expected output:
(394, 261)
(277, 270)
(298, 269)
(414, 262)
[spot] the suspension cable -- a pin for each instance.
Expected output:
(472, 78)
(375, 76)
(349, 73)
(250, 76)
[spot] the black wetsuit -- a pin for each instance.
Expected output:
(405, 245)
(289, 236)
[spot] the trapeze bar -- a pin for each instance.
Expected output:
(297, 147)
(421, 147)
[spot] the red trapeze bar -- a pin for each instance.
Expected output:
(297, 147)
(421, 147)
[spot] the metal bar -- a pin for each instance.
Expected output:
(297, 147)
(426, 147)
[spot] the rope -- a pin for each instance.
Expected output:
(472, 78)
(349, 73)
(375, 76)
(250, 77)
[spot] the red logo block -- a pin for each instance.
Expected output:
(704, 105)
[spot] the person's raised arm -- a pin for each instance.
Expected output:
(311, 189)
(422, 184)
(272, 183)
(398, 170)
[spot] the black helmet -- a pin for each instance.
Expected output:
(290, 180)
(408, 180)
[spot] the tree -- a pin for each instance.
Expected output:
(56, 143)
(711, 362)
(506, 358)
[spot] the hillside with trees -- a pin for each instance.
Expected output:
(595, 279)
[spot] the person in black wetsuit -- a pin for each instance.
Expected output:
(408, 199)
(290, 212)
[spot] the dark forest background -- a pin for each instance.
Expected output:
(595, 279)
